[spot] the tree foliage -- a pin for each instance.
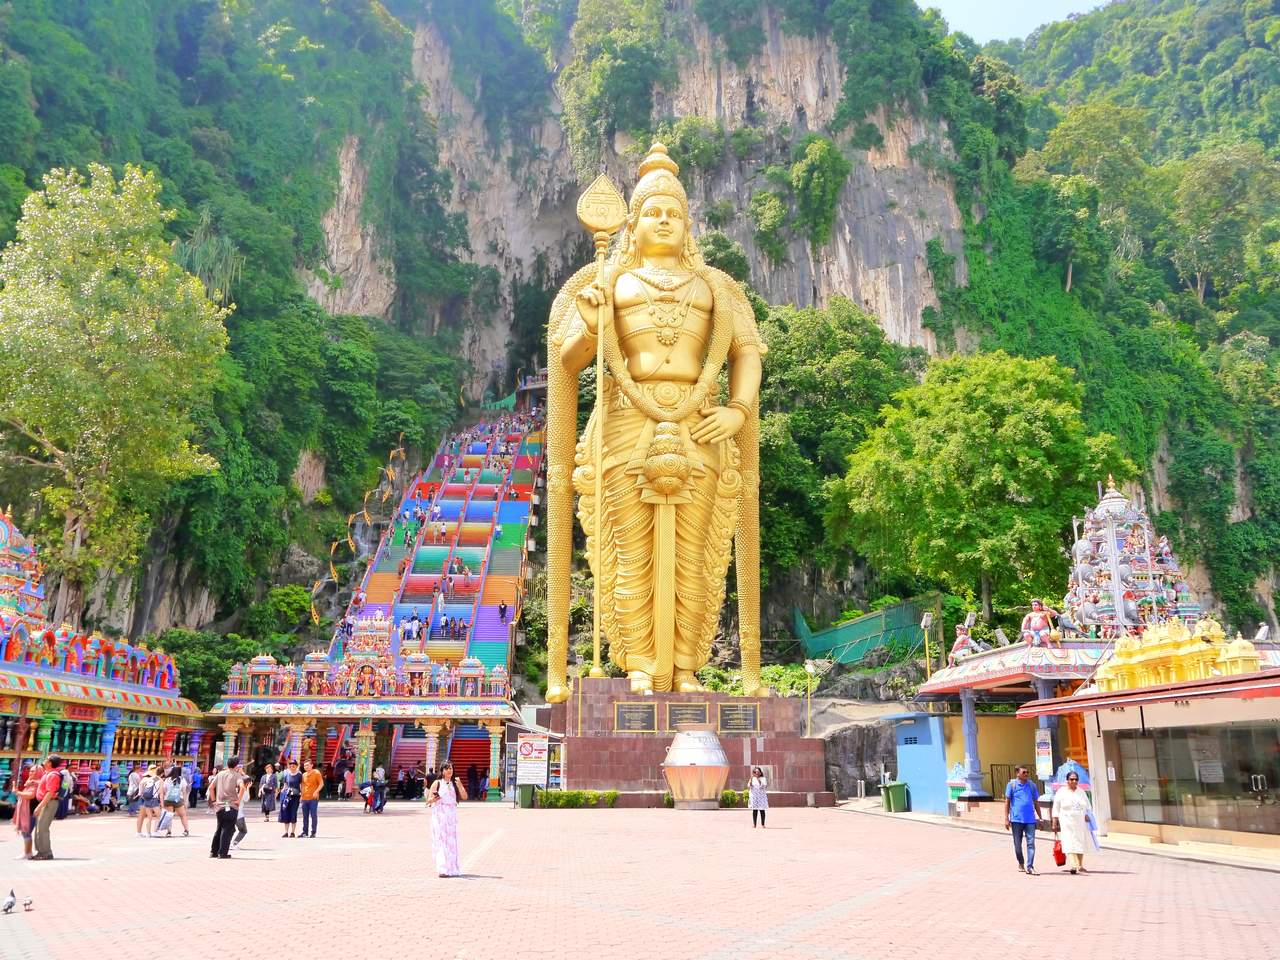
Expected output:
(107, 345)
(971, 476)
(240, 110)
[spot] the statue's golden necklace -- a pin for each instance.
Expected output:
(667, 318)
(660, 278)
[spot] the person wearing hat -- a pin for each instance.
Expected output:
(47, 805)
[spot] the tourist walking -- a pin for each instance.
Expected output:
(46, 806)
(290, 796)
(379, 789)
(349, 781)
(1020, 815)
(758, 796)
(1071, 811)
(25, 786)
(175, 802)
(312, 782)
(226, 793)
(267, 792)
(442, 800)
(149, 796)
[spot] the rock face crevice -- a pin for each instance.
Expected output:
(519, 199)
(355, 278)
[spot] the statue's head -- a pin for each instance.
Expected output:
(658, 220)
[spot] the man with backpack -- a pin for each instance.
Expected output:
(46, 805)
(65, 790)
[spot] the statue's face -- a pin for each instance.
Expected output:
(661, 227)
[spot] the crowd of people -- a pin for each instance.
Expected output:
(162, 796)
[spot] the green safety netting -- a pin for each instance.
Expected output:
(897, 626)
(506, 403)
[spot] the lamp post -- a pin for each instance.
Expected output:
(809, 670)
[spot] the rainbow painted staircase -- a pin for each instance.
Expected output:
(483, 496)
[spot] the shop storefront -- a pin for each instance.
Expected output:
(1194, 761)
(1224, 777)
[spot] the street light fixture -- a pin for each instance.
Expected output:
(810, 669)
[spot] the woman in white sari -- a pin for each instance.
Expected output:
(1071, 808)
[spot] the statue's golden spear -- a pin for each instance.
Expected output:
(602, 210)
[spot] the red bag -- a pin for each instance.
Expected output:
(1059, 857)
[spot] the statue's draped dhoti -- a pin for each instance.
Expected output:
(662, 551)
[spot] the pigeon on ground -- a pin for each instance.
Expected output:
(26, 905)
(9, 902)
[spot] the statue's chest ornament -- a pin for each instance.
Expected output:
(667, 312)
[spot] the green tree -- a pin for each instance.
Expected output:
(111, 342)
(816, 176)
(721, 252)
(1224, 196)
(826, 373)
(971, 477)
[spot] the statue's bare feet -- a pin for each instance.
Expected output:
(763, 690)
(641, 682)
(685, 682)
(557, 693)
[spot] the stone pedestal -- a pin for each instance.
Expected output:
(617, 740)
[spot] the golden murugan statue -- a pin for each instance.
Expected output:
(679, 482)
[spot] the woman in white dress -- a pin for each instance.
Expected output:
(1070, 808)
(442, 800)
(758, 796)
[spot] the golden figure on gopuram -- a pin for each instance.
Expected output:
(667, 471)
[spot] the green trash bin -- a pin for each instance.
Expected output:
(895, 795)
(524, 793)
(884, 797)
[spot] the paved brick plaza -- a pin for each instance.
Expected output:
(829, 884)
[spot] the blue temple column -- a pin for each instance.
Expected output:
(1045, 691)
(197, 737)
(972, 762)
(107, 745)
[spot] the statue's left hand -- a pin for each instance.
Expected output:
(718, 425)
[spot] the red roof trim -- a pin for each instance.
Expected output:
(1242, 687)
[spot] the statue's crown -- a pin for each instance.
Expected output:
(658, 159)
(659, 174)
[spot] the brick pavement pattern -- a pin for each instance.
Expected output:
(544, 884)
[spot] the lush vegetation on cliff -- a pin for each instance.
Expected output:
(240, 109)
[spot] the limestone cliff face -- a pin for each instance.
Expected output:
(355, 278)
(1266, 587)
(519, 200)
(889, 208)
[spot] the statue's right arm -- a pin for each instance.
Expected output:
(579, 347)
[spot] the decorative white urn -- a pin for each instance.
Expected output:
(696, 767)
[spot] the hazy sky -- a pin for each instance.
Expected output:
(1004, 19)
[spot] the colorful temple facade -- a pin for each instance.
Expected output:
(417, 670)
(1126, 592)
(101, 703)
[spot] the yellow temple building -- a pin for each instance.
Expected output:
(1170, 653)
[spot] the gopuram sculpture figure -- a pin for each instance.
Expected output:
(667, 470)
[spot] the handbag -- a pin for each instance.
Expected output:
(1059, 857)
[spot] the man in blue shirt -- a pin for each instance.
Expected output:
(1020, 815)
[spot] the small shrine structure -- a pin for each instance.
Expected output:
(102, 703)
(1181, 735)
